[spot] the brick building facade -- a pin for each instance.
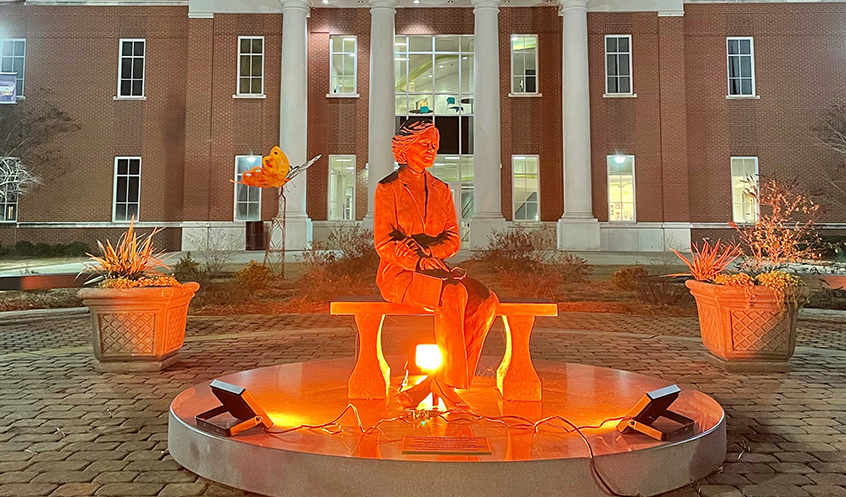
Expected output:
(678, 120)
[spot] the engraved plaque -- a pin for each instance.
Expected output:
(446, 445)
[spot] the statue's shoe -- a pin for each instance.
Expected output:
(450, 397)
(411, 397)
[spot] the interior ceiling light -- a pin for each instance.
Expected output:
(325, 2)
(619, 159)
(416, 1)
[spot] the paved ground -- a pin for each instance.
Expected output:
(67, 430)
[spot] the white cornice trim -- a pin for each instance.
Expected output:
(111, 3)
(201, 15)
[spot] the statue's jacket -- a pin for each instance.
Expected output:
(398, 216)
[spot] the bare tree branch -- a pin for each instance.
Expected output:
(26, 130)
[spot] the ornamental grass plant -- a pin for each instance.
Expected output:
(132, 262)
(709, 263)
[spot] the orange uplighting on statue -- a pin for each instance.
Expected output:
(415, 231)
(428, 357)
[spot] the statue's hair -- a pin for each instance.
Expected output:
(408, 133)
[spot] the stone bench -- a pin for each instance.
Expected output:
(516, 377)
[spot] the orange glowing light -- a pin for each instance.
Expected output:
(428, 357)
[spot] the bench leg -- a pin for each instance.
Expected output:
(372, 376)
(516, 377)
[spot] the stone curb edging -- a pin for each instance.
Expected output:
(12, 317)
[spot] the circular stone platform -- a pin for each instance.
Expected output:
(550, 463)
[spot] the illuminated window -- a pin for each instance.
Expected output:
(525, 187)
(250, 65)
(13, 59)
(524, 64)
(9, 198)
(618, 64)
(342, 57)
(341, 187)
(131, 70)
(127, 188)
(621, 188)
(741, 66)
(434, 79)
(744, 174)
(247, 198)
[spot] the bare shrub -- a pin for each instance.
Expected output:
(661, 290)
(214, 248)
(785, 231)
(345, 265)
(529, 264)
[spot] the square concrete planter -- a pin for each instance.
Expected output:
(746, 328)
(138, 329)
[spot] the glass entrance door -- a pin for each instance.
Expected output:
(462, 197)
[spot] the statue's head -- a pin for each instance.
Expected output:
(416, 144)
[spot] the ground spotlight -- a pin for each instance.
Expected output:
(644, 416)
(242, 407)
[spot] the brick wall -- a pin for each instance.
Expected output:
(532, 125)
(800, 66)
(219, 127)
(336, 125)
(72, 53)
(680, 127)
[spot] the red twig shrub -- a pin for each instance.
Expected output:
(785, 231)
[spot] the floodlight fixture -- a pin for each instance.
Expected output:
(241, 406)
(644, 416)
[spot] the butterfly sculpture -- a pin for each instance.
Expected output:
(275, 171)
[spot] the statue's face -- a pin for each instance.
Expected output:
(421, 154)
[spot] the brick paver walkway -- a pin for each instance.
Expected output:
(67, 430)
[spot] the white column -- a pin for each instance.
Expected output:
(577, 228)
(293, 117)
(381, 99)
(487, 189)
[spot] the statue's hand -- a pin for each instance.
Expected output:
(427, 263)
(404, 249)
(409, 247)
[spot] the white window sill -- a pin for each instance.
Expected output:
(342, 95)
(129, 98)
(619, 95)
(743, 97)
(525, 95)
(249, 97)
(20, 97)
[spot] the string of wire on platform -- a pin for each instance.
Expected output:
(410, 416)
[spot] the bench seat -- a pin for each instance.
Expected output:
(516, 377)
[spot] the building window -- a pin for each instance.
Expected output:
(618, 64)
(525, 187)
(741, 66)
(342, 70)
(9, 200)
(250, 65)
(13, 59)
(524, 64)
(744, 175)
(341, 187)
(621, 188)
(127, 188)
(247, 198)
(434, 80)
(131, 71)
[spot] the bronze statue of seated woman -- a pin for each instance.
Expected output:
(415, 231)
